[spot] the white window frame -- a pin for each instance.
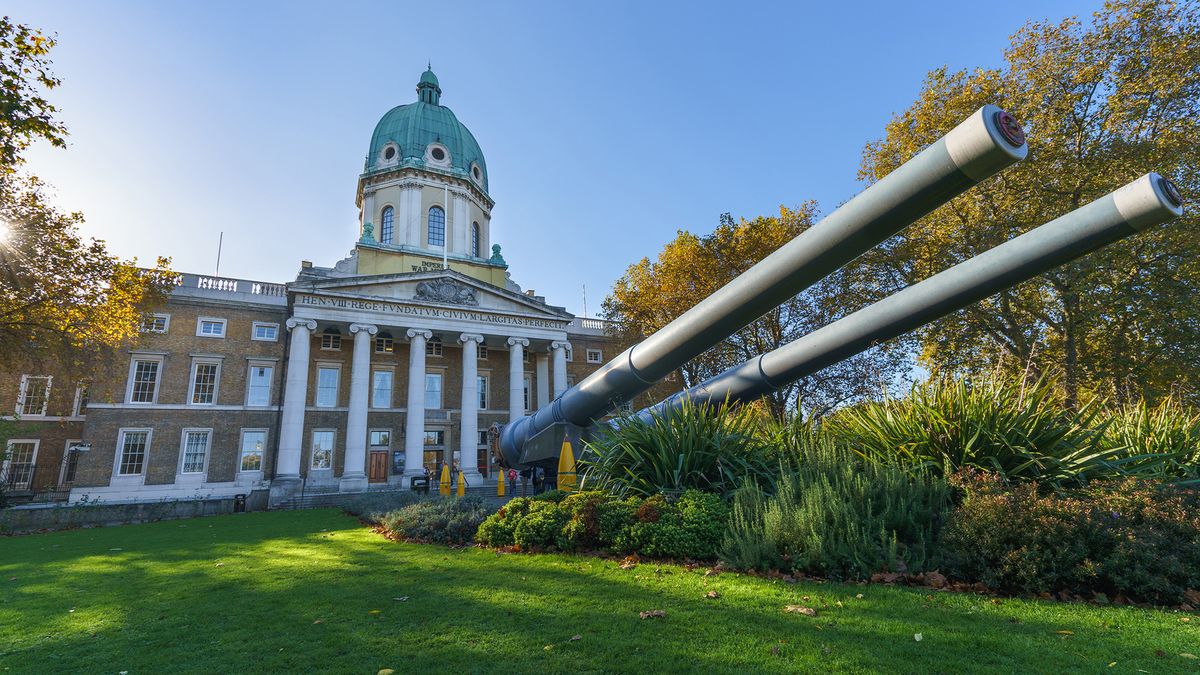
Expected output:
(198, 361)
(250, 366)
(77, 409)
(483, 392)
(67, 455)
(331, 342)
(481, 353)
(391, 389)
(312, 446)
(569, 353)
(25, 378)
(337, 385)
(241, 458)
(200, 321)
(179, 469)
(264, 324)
(388, 344)
(597, 353)
(441, 390)
(525, 356)
(376, 430)
(433, 347)
(121, 433)
(133, 361)
(166, 323)
(6, 466)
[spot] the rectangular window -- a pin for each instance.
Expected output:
(433, 391)
(384, 345)
(155, 323)
(483, 392)
(18, 464)
(143, 387)
(331, 341)
(254, 443)
(34, 395)
(525, 357)
(435, 438)
(194, 451)
(381, 389)
(204, 383)
(595, 356)
(82, 397)
(209, 327)
(327, 387)
(482, 352)
(322, 450)
(528, 387)
(71, 463)
(483, 437)
(131, 458)
(433, 347)
(569, 354)
(381, 438)
(258, 389)
(265, 332)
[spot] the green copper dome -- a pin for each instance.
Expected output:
(427, 135)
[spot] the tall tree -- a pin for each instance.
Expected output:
(61, 298)
(691, 267)
(1104, 103)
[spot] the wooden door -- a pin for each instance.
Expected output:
(377, 472)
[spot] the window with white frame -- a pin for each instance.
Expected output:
(381, 389)
(384, 344)
(143, 379)
(327, 386)
(205, 376)
(264, 332)
(386, 224)
(475, 239)
(433, 391)
(567, 351)
(133, 447)
(19, 462)
(525, 356)
(433, 346)
(483, 437)
(254, 443)
(34, 396)
(322, 449)
(194, 450)
(155, 323)
(82, 397)
(595, 356)
(70, 463)
(331, 340)
(527, 387)
(380, 438)
(210, 327)
(483, 392)
(436, 235)
(258, 384)
(481, 352)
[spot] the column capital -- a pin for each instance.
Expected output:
(301, 323)
(371, 329)
(414, 333)
(560, 344)
(470, 337)
(514, 341)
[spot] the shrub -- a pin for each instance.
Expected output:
(838, 516)
(451, 521)
(371, 506)
(1131, 537)
(696, 447)
(540, 526)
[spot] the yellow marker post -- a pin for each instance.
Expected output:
(444, 482)
(462, 485)
(500, 482)
(567, 481)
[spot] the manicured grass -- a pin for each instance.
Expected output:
(302, 591)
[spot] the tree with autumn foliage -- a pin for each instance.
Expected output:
(1104, 102)
(62, 299)
(691, 267)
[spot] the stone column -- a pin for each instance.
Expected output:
(468, 436)
(354, 478)
(295, 398)
(414, 428)
(543, 380)
(516, 377)
(559, 350)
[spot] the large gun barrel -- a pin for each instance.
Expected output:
(1146, 202)
(983, 144)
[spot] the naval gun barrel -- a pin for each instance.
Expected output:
(1146, 202)
(983, 144)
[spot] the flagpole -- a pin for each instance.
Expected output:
(446, 225)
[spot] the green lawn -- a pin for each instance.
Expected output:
(300, 591)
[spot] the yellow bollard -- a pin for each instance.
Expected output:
(567, 480)
(462, 485)
(444, 482)
(500, 482)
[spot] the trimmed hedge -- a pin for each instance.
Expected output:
(437, 520)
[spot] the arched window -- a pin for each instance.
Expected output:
(385, 232)
(437, 226)
(475, 239)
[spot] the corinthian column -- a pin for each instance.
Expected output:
(468, 437)
(516, 377)
(295, 395)
(559, 350)
(414, 428)
(354, 478)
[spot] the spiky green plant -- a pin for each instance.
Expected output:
(1155, 441)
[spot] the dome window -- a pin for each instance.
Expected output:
(438, 154)
(390, 153)
(475, 172)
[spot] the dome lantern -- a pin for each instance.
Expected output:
(428, 90)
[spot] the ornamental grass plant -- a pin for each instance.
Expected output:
(1160, 441)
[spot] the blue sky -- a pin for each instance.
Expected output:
(606, 126)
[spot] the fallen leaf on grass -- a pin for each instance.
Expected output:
(800, 609)
(1113, 664)
(318, 621)
(859, 596)
(375, 611)
(710, 573)
(917, 636)
(403, 598)
(629, 562)
(1189, 656)
(712, 595)
(576, 637)
(548, 647)
(385, 671)
(1065, 632)
(653, 614)
(220, 564)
